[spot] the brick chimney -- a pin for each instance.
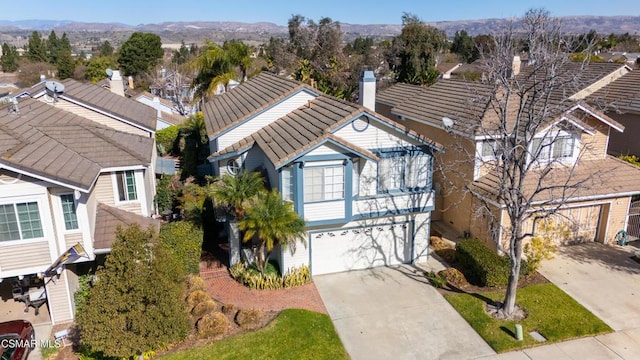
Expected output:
(367, 96)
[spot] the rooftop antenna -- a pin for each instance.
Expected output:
(54, 88)
(16, 107)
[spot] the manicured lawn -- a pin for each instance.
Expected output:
(551, 312)
(294, 334)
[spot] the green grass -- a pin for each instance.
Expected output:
(551, 312)
(294, 334)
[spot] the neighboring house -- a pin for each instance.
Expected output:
(166, 113)
(595, 212)
(620, 100)
(361, 181)
(65, 180)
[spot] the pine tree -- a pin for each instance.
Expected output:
(36, 48)
(65, 64)
(9, 59)
(136, 303)
(53, 47)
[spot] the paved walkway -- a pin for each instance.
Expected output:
(221, 286)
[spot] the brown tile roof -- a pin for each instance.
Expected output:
(306, 127)
(95, 96)
(173, 119)
(108, 219)
(591, 178)
(621, 95)
(150, 96)
(64, 147)
(238, 104)
(397, 94)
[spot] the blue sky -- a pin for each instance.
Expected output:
(135, 12)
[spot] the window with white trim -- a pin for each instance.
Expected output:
(126, 182)
(323, 183)
(550, 148)
(20, 221)
(287, 183)
(404, 172)
(488, 149)
(69, 211)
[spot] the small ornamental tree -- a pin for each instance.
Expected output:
(136, 302)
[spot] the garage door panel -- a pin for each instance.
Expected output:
(361, 248)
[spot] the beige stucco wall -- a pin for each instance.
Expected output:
(626, 142)
(457, 207)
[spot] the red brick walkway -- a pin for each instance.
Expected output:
(222, 287)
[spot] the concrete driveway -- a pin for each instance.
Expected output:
(393, 313)
(603, 278)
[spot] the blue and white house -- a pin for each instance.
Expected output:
(362, 182)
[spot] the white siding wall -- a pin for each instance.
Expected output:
(368, 178)
(324, 210)
(385, 203)
(27, 256)
(323, 150)
(59, 298)
(99, 118)
(103, 190)
(263, 119)
(374, 137)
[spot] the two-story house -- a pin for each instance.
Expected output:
(457, 114)
(65, 180)
(362, 182)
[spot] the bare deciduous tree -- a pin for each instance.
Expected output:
(527, 164)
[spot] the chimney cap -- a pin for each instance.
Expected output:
(368, 76)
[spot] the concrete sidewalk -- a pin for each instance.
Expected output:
(618, 345)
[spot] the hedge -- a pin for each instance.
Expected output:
(483, 266)
(184, 239)
(166, 139)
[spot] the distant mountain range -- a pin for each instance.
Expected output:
(571, 24)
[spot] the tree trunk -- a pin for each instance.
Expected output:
(260, 258)
(509, 303)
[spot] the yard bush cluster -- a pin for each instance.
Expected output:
(483, 266)
(167, 139)
(251, 277)
(184, 240)
(454, 277)
(250, 319)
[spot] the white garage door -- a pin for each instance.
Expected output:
(360, 248)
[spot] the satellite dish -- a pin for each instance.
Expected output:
(54, 87)
(109, 73)
(447, 122)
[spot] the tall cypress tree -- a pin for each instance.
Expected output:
(53, 47)
(36, 48)
(9, 59)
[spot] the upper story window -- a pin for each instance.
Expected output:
(20, 221)
(399, 171)
(126, 182)
(323, 183)
(287, 183)
(550, 148)
(487, 149)
(69, 212)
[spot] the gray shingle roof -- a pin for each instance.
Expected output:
(95, 96)
(64, 147)
(621, 95)
(242, 102)
(397, 94)
(108, 219)
(306, 127)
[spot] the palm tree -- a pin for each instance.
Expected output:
(195, 147)
(234, 192)
(273, 221)
(216, 66)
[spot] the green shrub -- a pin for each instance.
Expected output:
(194, 282)
(483, 266)
(212, 325)
(166, 194)
(250, 319)
(196, 298)
(249, 276)
(166, 139)
(454, 277)
(436, 280)
(184, 240)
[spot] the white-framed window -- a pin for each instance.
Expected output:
(69, 211)
(323, 183)
(20, 221)
(403, 172)
(234, 167)
(487, 149)
(126, 183)
(550, 148)
(287, 183)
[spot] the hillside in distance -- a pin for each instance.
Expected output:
(198, 31)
